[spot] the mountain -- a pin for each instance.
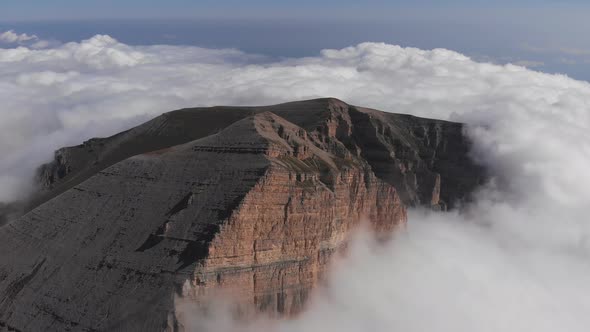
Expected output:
(254, 201)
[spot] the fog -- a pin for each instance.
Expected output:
(514, 260)
(443, 274)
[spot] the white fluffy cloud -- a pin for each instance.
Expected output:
(445, 273)
(516, 260)
(12, 37)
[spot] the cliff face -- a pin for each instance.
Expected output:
(255, 202)
(278, 242)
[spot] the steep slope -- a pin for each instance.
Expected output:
(426, 160)
(82, 255)
(73, 165)
(257, 208)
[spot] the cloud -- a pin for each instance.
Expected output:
(568, 51)
(12, 37)
(515, 260)
(529, 63)
(444, 273)
(567, 61)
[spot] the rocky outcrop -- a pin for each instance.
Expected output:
(251, 200)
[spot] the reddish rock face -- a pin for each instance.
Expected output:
(279, 242)
(257, 208)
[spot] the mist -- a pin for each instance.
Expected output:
(444, 273)
(516, 259)
(494, 265)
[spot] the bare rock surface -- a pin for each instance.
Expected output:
(9, 212)
(252, 200)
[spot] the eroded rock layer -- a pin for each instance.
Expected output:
(253, 200)
(277, 244)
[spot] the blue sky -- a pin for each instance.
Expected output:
(61, 9)
(542, 34)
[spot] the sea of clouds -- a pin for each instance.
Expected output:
(517, 259)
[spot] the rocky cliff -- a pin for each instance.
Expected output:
(252, 200)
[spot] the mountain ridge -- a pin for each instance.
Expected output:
(50, 175)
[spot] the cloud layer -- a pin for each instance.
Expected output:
(515, 260)
(65, 93)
